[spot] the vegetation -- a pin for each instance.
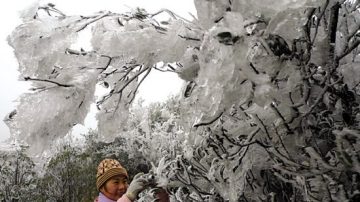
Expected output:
(270, 111)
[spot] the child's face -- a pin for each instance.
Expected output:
(115, 187)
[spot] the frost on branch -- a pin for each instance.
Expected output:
(72, 91)
(144, 40)
(270, 111)
(274, 99)
(113, 115)
(38, 43)
(126, 48)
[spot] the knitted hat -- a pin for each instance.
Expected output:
(107, 169)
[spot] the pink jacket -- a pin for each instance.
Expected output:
(124, 198)
(103, 198)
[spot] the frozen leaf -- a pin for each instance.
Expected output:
(190, 65)
(39, 43)
(61, 109)
(288, 24)
(210, 12)
(351, 73)
(139, 40)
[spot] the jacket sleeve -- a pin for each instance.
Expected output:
(124, 198)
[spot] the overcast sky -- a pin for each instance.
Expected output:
(11, 88)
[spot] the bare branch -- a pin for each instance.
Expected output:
(322, 13)
(333, 22)
(263, 126)
(132, 79)
(281, 142)
(281, 117)
(166, 70)
(75, 52)
(348, 50)
(249, 139)
(353, 33)
(138, 85)
(108, 63)
(188, 38)
(92, 21)
(27, 78)
(50, 7)
(172, 14)
(216, 117)
(127, 71)
(123, 87)
(317, 101)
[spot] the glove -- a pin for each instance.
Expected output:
(138, 184)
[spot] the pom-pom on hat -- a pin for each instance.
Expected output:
(107, 169)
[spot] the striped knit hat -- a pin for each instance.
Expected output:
(107, 169)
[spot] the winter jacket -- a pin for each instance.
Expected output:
(103, 198)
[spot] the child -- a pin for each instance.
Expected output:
(112, 183)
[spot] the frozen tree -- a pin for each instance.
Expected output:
(270, 111)
(17, 176)
(125, 47)
(60, 181)
(155, 131)
(274, 105)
